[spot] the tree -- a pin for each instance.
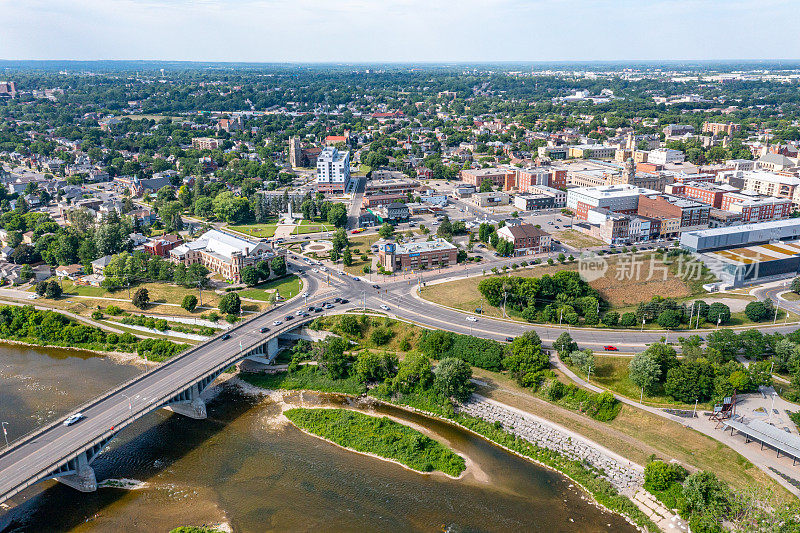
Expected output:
(337, 215)
(669, 319)
(25, 254)
(386, 231)
(564, 344)
(278, 266)
(41, 289)
(796, 285)
(718, 313)
(445, 228)
(583, 359)
(347, 257)
(703, 493)
(331, 357)
(141, 298)
(230, 304)
(348, 324)
(250, 275)
(371, 366)
(263, 269)
(665, 356)
(189, 302)
(690, 381)
(627, 320)
(611, 319)
(453, 378)
(486, 186)
(413, 373)
(757, 311)
(644, 371)
(231, 208)
(53, 289)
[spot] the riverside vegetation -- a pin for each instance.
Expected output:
(49, 328)
(380, 436)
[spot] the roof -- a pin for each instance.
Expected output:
(102, 262)
(525, 231)
(776, 159)
(423, 246)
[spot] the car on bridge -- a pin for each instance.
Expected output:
(226, 336)
(277, 323)
(264, 329)
(74, 419)
(289, 317)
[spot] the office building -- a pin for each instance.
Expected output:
(333, 170)
(405, 257)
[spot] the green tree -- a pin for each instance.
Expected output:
(263, 269)
(386, 231)
(413, 373)
(453, 378)
(372, 366)
(347, 257)
(669, 319)
(564, 344)
(486, 186)
(278, 266)
(718, 313)
(53, 290)
(757, 311)
(141, 298)
(189, 302)
(644, 371)
(337, 215)
(250, 275)
(230, 304)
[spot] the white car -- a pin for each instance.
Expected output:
(314, 270)
(472, 319)
(324, 269)
(74, 419)
(305, 295)
(277, 323)
(384, 307)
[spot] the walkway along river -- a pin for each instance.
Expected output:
(247, 467)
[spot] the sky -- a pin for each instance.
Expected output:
(399, 30)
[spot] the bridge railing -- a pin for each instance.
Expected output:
(94, 401)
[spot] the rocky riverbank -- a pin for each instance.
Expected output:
(626, 476)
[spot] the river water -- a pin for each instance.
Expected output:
(247, 467)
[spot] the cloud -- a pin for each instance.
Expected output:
(397, 30)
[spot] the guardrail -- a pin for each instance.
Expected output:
(153, 404)
(94, 401)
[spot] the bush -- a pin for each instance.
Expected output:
(758, 311)
(189, 302)
(670, 319)
(230, 304)
(97, 315)
(114, 310)
(659, 475)
(452, 378)
(718, 312)
(141, 298)
(381, 336)
(627, 320)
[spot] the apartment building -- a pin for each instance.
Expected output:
(333, 170)
(591, 151)
(771, 184)
(690, 214)
(205, 143)
(754, 207)
(541, 176)
(503, 178)
(708, 193)
(662, 156)
(725, 128)
(559, 196)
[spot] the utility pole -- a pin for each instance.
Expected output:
(694, 414)
(5, 433)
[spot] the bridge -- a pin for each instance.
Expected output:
(66, 452)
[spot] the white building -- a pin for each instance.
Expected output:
(333, 170)
(662, 156)
(618, 198)
(222, 253)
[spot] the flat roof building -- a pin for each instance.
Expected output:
(743, 235)
(405, 257)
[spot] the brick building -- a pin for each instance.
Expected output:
(527, 239)
(404, 257)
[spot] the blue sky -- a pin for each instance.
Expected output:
(399, 30)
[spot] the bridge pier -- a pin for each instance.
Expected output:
(83, 479)
(191, 405)
(265, 353)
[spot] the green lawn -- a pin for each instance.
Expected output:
(380, 436)
(256, 230)
(287, 287)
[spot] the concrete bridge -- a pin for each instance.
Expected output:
(66, 452)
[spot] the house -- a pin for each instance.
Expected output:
(5, 253)
(527, 239)
(42, 272)
(162, 245)
(93, 280)
(98, 265)
(69, 271)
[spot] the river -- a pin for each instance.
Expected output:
(247, 467)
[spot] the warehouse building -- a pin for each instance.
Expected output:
(708, 240)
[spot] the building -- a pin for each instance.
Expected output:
(161, 246)
(405, 257)
(607, 226)
(390, 185)
(393, 213)
(463, 191)
(748, 264)
(375, 200)
(771, 184)
(8, 89)
(527, 239)
(489, 199)
(774, 163)
(222, 253)
(662, 156)
(689, 214)
(541, 176)
(205, 143)
(333, 170)
(499, 177)
(678, 130)
(708, 193)
(591, 151)
(98, 265)
(744, 235)
(617, 198)
(754, 207)
(529, 202)
(553, 152)
(302, 157)
(559, 196)
(725, 128)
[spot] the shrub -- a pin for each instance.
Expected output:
(627, 320)
(189, 302)
(230, 304)
(113, 310)
(97, 315)
(659, 475)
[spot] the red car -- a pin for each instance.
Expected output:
(610, 348)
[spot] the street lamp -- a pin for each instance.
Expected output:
(130, 402)
(5, 433)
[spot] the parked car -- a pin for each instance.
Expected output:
(74, 419)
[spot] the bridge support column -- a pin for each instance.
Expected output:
(193, 407)
(83, 479)
(266, 352)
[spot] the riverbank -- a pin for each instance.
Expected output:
(381, 438)
(601, 492)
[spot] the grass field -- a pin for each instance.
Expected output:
(380, 436)
(256, 230)
(287, 287)
(791, 296)
(576, 239)
(636, 435)
(614, 286)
